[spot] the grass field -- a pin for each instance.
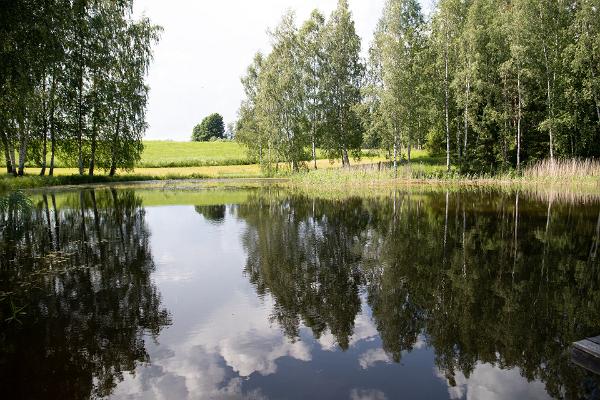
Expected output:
(169, 154)
(159, 154)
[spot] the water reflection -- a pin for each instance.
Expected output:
(81, 274)
(429, 295)
(488, 280)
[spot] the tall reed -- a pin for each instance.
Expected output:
(563, 169)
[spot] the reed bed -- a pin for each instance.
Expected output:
(563, 169)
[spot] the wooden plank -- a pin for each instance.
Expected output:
(588, 346)
(584, 360)
(595, 339)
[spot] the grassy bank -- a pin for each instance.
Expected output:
(69, 176)
(582, 176)
(370, 173)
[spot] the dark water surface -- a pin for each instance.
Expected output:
(132, 294)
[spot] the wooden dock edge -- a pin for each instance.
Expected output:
(586, 354)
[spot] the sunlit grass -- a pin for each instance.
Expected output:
(192, 154)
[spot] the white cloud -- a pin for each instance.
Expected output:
(492, 383)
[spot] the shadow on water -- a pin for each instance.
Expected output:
(495, 278)
(77, 303)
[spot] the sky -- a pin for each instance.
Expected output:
(206, 46)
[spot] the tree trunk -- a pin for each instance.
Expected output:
(446, 101)
(314, 148)
(551, 112)
(52, 147)
(80, 123)
(52, 127)
(13, 159)
(548, 89)
(345, 159)
(44, 131)
(466, 118)
(113, 158)
(93, 150)
(519, 121)
(395, 155)
(9, 163)
(22, 148)
(44, 153)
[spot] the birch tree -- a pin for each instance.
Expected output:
(342, 80)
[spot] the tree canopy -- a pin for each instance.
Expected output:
(72, 82)
(492, 84)
(211, 127)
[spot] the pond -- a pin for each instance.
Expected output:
(130, 293)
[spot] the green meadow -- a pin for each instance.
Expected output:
(162, 154)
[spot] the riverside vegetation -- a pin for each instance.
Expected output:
(495, 85)
(475, 90)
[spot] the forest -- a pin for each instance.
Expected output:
(72, 83)
(494, 85)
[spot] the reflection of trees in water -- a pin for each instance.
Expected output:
(214, 213)
(308, 260)
(83, 273)
(486, 277)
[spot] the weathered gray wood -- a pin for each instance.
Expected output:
(588, 346)
(585, 360)
(595, 339)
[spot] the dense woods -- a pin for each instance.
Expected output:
(72, 83)
(492, 84)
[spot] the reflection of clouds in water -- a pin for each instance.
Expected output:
(420, 343)
(255, 351)
(364, 329)
(367, 394)
(492, 383)
(371, 357)
(238, 338)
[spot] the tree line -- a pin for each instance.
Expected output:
(72, 83)
(492, 84)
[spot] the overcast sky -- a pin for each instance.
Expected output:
(206, 46)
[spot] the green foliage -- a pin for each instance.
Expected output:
(342, 80)
(73, 83)
(305, 92)
(396, 69)
(499, 85)
(211, 128)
